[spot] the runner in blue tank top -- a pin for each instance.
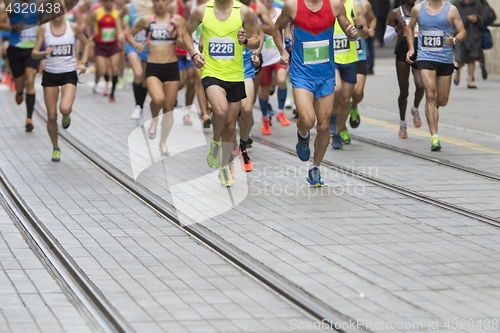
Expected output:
(437, 22)
(312, 69)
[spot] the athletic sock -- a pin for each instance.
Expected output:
(30, 105)
(106, 77)
(281, 98)
(114, 81)
(313, 166)
(243, 145)
(305, 137)
(144, 93)
(263, 106)
(402, 123)
(137, 87)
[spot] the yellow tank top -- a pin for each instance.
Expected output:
(223, 54)
(345, 51)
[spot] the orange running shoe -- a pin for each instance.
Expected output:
(266, 127)
(7, 79)
(29, 125)
(12, 85)
(246, 163)
(282, 119)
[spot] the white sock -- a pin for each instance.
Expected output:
(313, 166)
(434, 136)
(402, 123)
(304, 137)
(414, 109)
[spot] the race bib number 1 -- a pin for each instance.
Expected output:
(432, 40)
(316, 52)
(221, 47)
(62, 50)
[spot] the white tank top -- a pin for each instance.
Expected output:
(270, 53)
(62, 59)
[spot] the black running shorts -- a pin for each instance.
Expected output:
(57, 80)
(20, 59)
(235, 91)
(164, 72)
(361, 67)
(441, 69)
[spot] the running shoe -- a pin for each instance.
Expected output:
(402, 132)
(417, 122)
(186, 120)
(66, 121)
(136, 114)
(302, 147)
(337, 142)
(282, 119)
(333, 124)
(7, 79)
(435, 144)
(121, 84)
(288, 104)
(19, 98)
(164, 151)
(112, 99)
(206, 121)
(354, 118)
(346, 137)
(12, 86)
(105, 92)
(214, 154)
(314, 177)
(56, 155)
(295, 113)
(94, 90)
(225, 176)
(29, 125)
(484, 73)
(152, 134)
(266, 128)
(246, 163)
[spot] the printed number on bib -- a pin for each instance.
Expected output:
(316, 52)
(159, 33)
(221, 47)
(29, 34)
(62, 50)
(358, 46)
(108, 34)
(269, 43)
(340, 43)
(432, 40)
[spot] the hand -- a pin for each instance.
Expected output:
(139, 47)
(121, 37)
(256, 59)
(48, 51)
(198, 60)
(371, 33)
(285, 58)
(409, 56)
(242, 36)
(81, 69)
(351, 33)
(449, 40)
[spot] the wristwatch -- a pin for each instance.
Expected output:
(360, 27)
(246, 41)
(454, 41)
(86, 64)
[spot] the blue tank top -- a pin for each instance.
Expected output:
(141, 35)
(312, 44)
(432, 33)
(26, 38)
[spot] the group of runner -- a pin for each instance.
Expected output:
(231, 54)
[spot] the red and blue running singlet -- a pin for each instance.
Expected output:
(312, 38)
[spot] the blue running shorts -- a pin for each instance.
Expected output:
(184, 63)
(348, 72)
(130, 49)
(319, 88)
(249, 69)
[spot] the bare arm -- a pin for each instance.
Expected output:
(91, 17)
(36, 53)
(81, 37)
(267, 23)
(340, 15)
(190, 27)
(415, 12)
(371, 18)
(180, 22)
(252, 28)
(289, 8)
(140, 25)
(459, 26)
(3, 21)
(360, 20)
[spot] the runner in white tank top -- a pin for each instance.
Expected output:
(60, 71)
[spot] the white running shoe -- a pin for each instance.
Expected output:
(288, 104)
(136, 114)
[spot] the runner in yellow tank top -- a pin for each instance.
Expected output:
(226, 25)
(346, 56)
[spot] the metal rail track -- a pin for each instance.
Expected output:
(100, 315)
(312, 305)
(450, 164)
(391, 187)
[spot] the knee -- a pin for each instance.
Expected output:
(156, 100)
(323, 128)
(403, 94)
(52, 118)
(430, 95)
(231, 126)
(65, 110)
(442, 101)
(139, 75)
(30, 82)
(307, 121)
